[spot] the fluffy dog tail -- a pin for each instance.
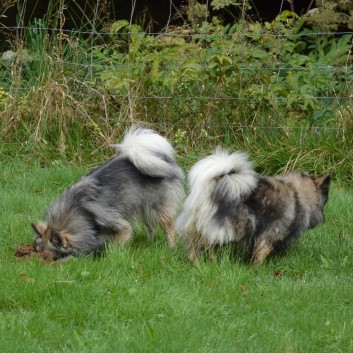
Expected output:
(226, 176)
(222, 177)
(151, 153)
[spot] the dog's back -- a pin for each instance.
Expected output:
(125, 192)
(284, 207)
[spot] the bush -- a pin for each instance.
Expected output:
(277, 90)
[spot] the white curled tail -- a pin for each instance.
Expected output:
(151, 153)
(228, 176)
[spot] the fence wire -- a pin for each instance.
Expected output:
(89, 66)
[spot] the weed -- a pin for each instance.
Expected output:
(277, 90)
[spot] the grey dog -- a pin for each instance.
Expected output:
(142, 180)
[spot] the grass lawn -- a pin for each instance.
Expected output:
(147, 298)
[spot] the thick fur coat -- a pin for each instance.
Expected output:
(229, 203)
(142, 180)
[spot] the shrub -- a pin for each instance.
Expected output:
(277, 90)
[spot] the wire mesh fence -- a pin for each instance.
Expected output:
(212, 75)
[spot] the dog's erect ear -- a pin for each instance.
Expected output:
(324, 182)
(39, 229)
(59, 238)
(56, 238)
(324, 185)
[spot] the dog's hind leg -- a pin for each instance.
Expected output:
(211, 251)
(150, 223)
(195, 247)
(261, 250)
(168, 226)
(193, 252)
(150, 231)
(166, 221)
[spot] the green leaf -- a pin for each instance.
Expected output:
(258, 53)
(118, 25)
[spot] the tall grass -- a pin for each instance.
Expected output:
(45, 86)
(145, 297)
(66, 96)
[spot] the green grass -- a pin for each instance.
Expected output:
(147, 298)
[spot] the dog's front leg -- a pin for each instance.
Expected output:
(124, 235)
(167, 224)
(194, 250)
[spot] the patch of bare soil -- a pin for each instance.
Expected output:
(29, 251)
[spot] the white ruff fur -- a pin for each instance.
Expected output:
(232, 177)
(146, 149)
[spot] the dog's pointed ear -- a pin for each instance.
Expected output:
(324, 182)
(324, 185)
(59, 238)
(39, 229)
(56, 238)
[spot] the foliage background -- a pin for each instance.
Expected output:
(281, 90)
